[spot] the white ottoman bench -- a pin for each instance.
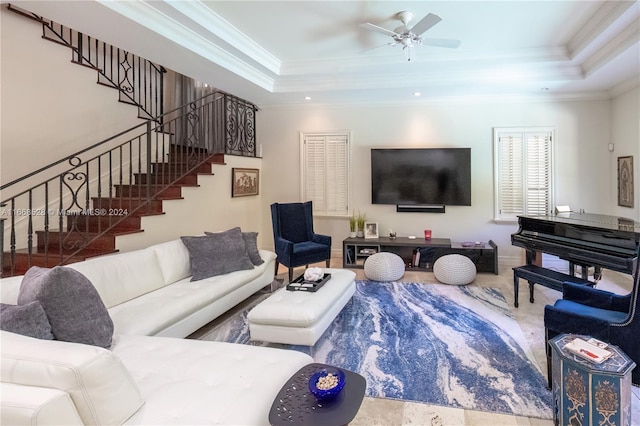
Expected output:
(300, 317)
(454, 269)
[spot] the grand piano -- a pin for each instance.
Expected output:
(583, 239)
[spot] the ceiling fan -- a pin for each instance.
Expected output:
(409, 37)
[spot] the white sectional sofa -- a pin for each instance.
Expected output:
(147, 376)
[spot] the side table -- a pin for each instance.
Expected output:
(585, 393)
(295, 405)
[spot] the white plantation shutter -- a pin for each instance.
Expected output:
(325, 172)
(523, 172)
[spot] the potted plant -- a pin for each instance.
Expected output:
(352, 226)
(361, 218)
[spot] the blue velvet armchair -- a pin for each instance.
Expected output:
(295, 242)
(601, 314)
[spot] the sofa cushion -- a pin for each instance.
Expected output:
(122, 276)
(103, 391)
(28, 319)
(185, 381)
(173, 258)
(217, 254)
(151, 314)
(71, 302)
(9, 289)
(32, 405)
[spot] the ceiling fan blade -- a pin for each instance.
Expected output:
(382, 45)
(425, 23)
(373, 27)
(441, 42)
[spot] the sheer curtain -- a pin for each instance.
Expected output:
(197, 122)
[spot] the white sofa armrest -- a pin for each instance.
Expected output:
(100, 386)
(36, 406)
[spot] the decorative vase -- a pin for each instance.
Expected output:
(360, 233)
(352, 234)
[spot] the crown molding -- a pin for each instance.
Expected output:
(599, 24)
(616, 45)
(209, 20)
(143, 13)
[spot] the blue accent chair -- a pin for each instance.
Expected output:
(295, 242)
(607, 316)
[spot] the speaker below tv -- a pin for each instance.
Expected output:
(417, 208)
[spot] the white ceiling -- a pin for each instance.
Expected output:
(274, 52)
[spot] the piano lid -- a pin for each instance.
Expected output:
(601, 221)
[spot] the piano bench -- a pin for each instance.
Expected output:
(537, 275)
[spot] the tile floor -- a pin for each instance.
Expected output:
(386, 412)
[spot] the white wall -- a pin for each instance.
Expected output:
(625, 136)
(209, 207)
(50, 107)
(582, 134)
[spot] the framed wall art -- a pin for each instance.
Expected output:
(244, 182)
(625, 181)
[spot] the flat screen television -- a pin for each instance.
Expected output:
(425, 176)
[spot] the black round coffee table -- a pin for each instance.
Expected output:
(295, 405)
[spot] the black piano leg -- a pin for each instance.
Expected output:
(531, 284)
(515, 289)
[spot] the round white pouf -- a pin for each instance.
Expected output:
(454, 269)
(384, 266)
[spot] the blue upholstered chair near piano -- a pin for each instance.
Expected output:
(295, 242)
(601, 314)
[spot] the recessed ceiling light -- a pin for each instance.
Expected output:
(544, 89)
(416, 93)
(307, 98)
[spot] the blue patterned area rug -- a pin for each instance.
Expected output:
(433, 343)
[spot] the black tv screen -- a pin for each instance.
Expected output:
(430, 176)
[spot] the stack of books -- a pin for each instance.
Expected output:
(592, 350)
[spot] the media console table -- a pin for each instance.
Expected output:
(356, 250)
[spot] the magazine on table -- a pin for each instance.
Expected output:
(592, 350)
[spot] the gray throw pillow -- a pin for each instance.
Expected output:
(217, 254)
(251, 246)
(71, 302)
(28, 320)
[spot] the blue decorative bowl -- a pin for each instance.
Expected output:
(326, 394)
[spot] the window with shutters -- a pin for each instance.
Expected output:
(523, 172)
(325, 172)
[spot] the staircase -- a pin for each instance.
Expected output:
(93, 232)
(83, 201)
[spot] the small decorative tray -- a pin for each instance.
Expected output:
(300, 284)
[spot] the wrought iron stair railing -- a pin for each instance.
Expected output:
(85, 199)
(139, 81)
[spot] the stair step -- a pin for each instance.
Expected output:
(157, 191)
(74, 240)
(23, 260)
(124, 206)
(193, 157)
(180, 168)
(164, 178)
(93, 223)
